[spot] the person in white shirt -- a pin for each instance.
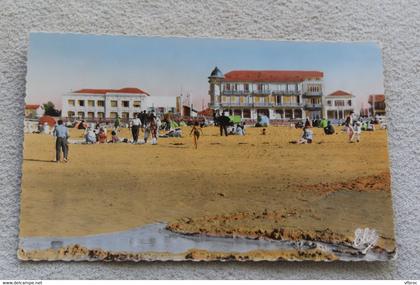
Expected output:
(135, 128)
(357, 132)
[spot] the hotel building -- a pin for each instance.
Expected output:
(92, 104)
(278, 94)
(338, 105)
(377, 105)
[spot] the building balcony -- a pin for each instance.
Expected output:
(235, 92)
(288, 104)
(312, 94)
(285, 92)
(310, 106)
(236, 104)
(261, 104)
(261, 92)
(345, 107)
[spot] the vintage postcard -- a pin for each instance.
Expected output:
(151, 148)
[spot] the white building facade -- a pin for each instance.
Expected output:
(338, 105)
(98, 104)
(278, 94)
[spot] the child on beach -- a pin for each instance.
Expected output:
(114, 137)
(307, 136)
(349, 126)
(264, 132)
(357, 132)
(240, 130)
(196, 129)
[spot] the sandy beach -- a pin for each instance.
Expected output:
(248, 186)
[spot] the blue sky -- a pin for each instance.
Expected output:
(59, 63)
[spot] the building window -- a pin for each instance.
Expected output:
(227, 86)
(329, 102)
(125, 115)
(70, 114)
(291, 87)
(91, 103)
(81, 115)
(246, 87)
(126, 104)
(114, 103)
(81, 103)
(70, 102)
(101, 115)
(349, 102)
(136, 104)
(101, 103)
(339, 103)
(314, 88)
(113, 115)
(91, 115)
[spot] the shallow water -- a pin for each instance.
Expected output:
(155, 238)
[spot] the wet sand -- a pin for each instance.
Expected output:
(300, 188)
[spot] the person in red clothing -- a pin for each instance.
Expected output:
(102, 136)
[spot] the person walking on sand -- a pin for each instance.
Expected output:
(135, 128)
(195, 131)
(349, 126)
(153, 130)
(117, 123)
(146, 131)
(62, 134)
(223, 122)
(143, 119)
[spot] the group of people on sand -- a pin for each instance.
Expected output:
(95, 134)
(149, 124)
(353, 129)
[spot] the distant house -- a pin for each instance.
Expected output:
(338, 105)
(95, 104)
(161, 104)
(34, 110)
(377, 104)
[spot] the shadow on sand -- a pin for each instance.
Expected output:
(38, 160)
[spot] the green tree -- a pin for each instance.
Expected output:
(50, 109)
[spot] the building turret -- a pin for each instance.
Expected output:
(215, 80)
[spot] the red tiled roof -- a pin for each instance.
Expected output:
(127, 90)
(31, 106)
(340, 93)
(271, 75)
(47, 119)
(376, 98)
